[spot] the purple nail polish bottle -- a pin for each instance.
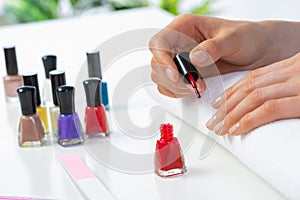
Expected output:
(69, 127)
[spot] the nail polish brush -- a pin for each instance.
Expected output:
(187, 70)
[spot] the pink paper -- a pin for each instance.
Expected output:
(76, 167)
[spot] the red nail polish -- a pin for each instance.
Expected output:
(169, 160)
(95, 116)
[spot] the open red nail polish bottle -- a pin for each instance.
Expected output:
(169, 160)
(96, 123)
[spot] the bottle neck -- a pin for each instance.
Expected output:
(166, 132)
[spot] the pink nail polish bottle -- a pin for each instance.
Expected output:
(168, 159)
(12, 80)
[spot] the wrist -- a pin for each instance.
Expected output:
(282, 39)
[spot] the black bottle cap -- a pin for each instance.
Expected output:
(57, 78)
(65, 96)
(92, 87)
(27, 99)
(49, 62)
(31, 79)
(94, 64)
(11, 60)
(185, 66)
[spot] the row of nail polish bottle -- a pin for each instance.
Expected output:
(64, 121)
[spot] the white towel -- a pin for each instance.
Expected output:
(272, 151)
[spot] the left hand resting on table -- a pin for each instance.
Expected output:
(267, 94)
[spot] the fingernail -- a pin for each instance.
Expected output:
(200, 88)
(218, 127)
(211, 121)
(199, 56)
(234, 128)
(170, 74)
(217, 102)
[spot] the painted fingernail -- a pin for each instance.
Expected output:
(199, 56)
(170, 74)
(234, 128)
(218, 127)
(218, 101)
(211, 121)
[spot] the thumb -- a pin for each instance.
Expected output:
(208, 52)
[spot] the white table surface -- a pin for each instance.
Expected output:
(36, 172)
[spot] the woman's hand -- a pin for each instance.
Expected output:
(231, 45)
(265, 95)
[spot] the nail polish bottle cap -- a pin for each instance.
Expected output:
(104, 94)
(49, 62)
(65, 96)
(92, 87)
(166, 131)
(27, 99)
(11, 60)
(94, 65)
(31, 79)
(57, 78)
(185, 66)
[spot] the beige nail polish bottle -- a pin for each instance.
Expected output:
(31, 131)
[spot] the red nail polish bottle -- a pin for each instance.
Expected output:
(95, 117)
(168, 158)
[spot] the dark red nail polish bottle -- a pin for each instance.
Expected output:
(96, 123)
(169, 160)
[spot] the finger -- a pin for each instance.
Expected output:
(268, 112)
(169, 93)
(263, 77)
(168, 71)
(165, 44)
(163, 63)
(181, 90)
(161, 47)
(211, 50)
(162, 80)
(245, 86)
(254, 100)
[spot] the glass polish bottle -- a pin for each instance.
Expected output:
(94, 70)
(69, 127)
(168, 158)
(31, 131)
(96, 123)
(31, 79)
(57, 78)
(12, 80)
(49, 62)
